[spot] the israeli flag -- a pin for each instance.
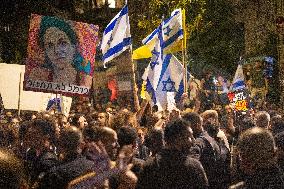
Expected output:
(170, 83)
(172, 31)
(116, 36)
(155, 66)
(239, 79)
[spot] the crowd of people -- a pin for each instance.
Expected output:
(110, 146)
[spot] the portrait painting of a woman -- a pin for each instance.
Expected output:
(57, 51)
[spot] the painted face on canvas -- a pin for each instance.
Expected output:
(58, 47)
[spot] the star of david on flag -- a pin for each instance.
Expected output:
(156, 62)
(171, 80)
(172, 32)
(168, 85)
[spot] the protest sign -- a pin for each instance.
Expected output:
(13, 98)
(61, 56)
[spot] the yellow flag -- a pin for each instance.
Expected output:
(145, 50)
(141, 52)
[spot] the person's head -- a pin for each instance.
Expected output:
(178, 135)
(256, 148)
(195, 121)
(37, 134)
(279, 141)
(155, 140)
(63, 121)
(91, 134)
(127, 136)
(277, 124)
(210, 116)
(12, 174)
(102, 119)
(109, 138)
(70, 140)
(79, 121)
(262, 119)
(247, 123)
(58, 40)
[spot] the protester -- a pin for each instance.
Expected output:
(173, 168)
(262, 119)
(73, 164)
(12, 174)
(210, 153)
(37, 138)
(257, 158)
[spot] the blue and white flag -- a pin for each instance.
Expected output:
(155, 66)
(116, 37)
(171, 82)
(172, 32)
(239, 79)
(54, 103)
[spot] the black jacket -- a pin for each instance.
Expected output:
(215, 158)
(72, 167)
(271, 178)
(172, 170)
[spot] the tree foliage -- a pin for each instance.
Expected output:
(214, 36)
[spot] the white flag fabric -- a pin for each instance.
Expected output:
(170, 81)
(155, 66)
(116, 36)
(172, 31)
(239, 79)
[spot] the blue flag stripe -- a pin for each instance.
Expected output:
(126, 42)
(180, 91)
(151, 36)
(173, 38)
(111, 25)
(151, 91)
(238, 84)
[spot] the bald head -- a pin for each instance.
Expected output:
(109, 138)
(257, 148)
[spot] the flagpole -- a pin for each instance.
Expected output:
(184, 51)
(19, 98)
(134, 90)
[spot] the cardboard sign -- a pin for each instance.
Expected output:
(239, 99)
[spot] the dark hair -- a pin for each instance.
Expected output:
(247, 123)
(92, 133)
(126, 135)
(70, 138)
(11, 171)
(279, 140)
(75, 119)
(277, 124)
(175, 129)
(153, 137)
(212, 129)
(192, 117)
(46, 128)
(48, 21)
